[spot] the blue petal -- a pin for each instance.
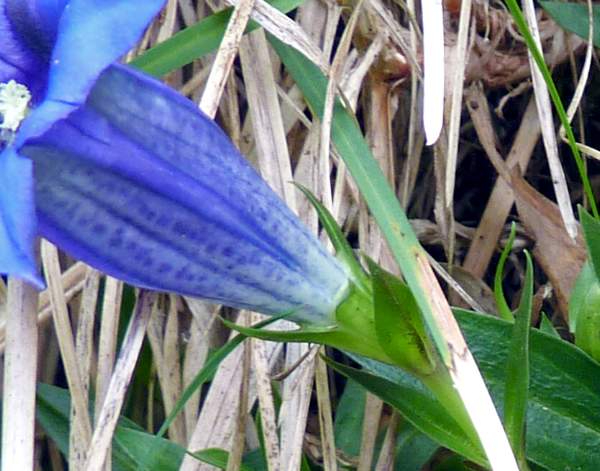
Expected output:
(92, 34)
(17, 217)
(36, 22)
(142, 185)
(18, 61)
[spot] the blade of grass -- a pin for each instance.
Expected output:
(503, 307)
(195, 41)
(538, 57)
(517, 373)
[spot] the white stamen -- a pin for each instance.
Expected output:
(14, 105)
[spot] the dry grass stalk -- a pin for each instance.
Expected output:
(20, 368)
(225, 56)
(545, 114)
(64, 334)
(501, 199)
(106, 421)
(84, 346)
(370, 430)
(387, 455)
(325, 414)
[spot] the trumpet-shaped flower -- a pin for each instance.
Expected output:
(124, 173)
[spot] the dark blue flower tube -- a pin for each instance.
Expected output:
(124, 173)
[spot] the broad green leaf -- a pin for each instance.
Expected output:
(52, 413)
(341, 245)
(147, 451)
(195, 41)
(414, 449)
(133, 448)
(517, 374)
(418, 406)
(563, 415)
(503, 307)
(591, 231)
(349, 415)
(574, 18)
(216, 457)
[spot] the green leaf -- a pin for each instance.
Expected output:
(418, 407)
(341, 245)
(216, 457)
(503, 307)
(398, 323)
(133, 449)
(563, 413)
(195, 41)
(414, 449)
(349, 415)
(582, 294)
(148, 451)
(574, 18)
(547, 327)
(591, 231)
(517, 369)
(587, 315)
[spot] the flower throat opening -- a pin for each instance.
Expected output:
(14, 107)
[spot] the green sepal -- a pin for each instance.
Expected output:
(299, 335)
(399, 325)
(342, 248)
(353, 331)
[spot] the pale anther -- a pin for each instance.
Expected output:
(14, 104)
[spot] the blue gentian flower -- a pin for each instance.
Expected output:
(129, 176)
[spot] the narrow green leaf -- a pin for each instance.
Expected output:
(380, 198)
(591, 231)
(547, 327)
(538, 57)
(517, 370)
(574, 18)
(196, 41)
(419, 408)
(584, 293)
(503, 307)
(341, 245)
(207, 372)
